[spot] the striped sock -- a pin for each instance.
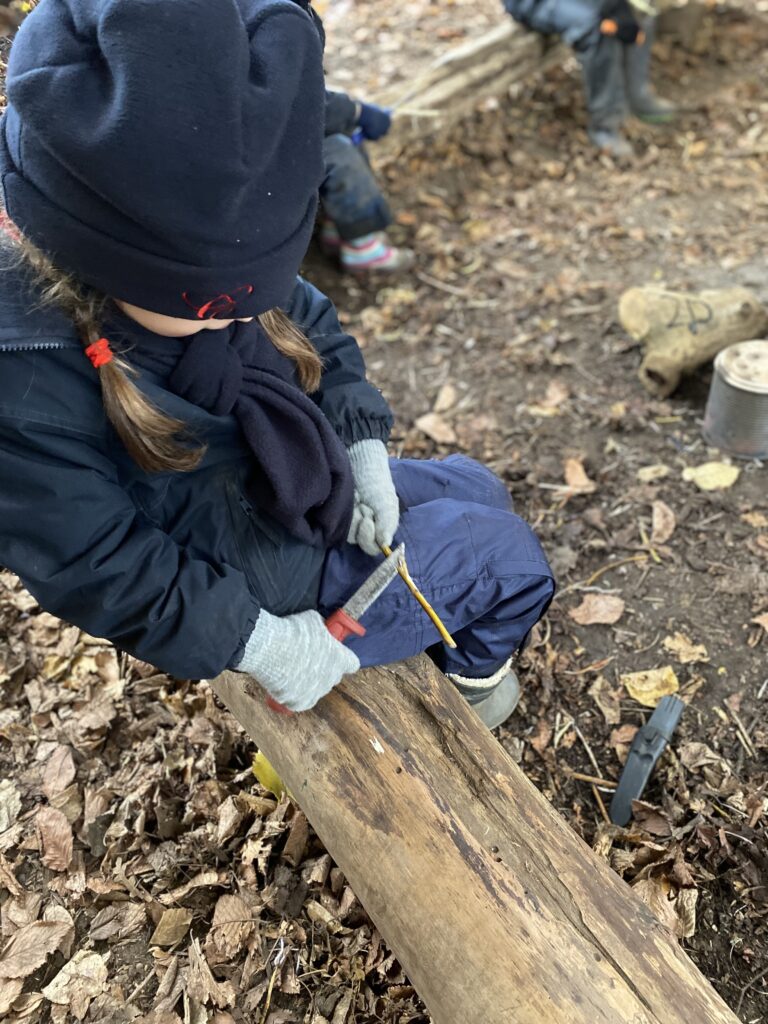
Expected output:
(367, 252)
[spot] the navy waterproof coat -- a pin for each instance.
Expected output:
(172, 567)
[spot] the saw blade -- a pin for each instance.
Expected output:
(378, 581)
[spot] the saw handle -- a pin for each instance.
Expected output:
(340, 626)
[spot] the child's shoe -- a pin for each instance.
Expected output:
(375, 253)
(492, 699)
(612, 142)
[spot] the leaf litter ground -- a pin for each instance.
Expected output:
(146, 876)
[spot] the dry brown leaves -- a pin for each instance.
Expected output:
(598, 609)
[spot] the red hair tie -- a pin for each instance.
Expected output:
(99, 353)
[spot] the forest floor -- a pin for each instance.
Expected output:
(135, 844)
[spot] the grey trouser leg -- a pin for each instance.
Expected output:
(602, 62)
(637, 67)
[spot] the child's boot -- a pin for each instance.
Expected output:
(493, 699)
(374, 252)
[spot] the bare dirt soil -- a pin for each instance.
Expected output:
(135, 843)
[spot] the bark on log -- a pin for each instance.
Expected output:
(497, 911)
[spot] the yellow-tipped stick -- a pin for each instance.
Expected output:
(406, 577)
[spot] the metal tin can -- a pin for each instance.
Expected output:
(736, 419)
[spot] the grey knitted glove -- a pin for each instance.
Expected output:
(295, 658)
(377, 510)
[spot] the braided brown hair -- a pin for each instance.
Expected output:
(155, 441)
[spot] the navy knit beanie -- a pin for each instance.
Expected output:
(168, 152)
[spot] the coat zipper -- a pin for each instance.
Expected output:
(34, 347)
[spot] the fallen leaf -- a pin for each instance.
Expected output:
(447, 397)
(553, 401)
(267, 775)
(31, 946)
(118, 920)
(10, 989)
(78, 982)
(436, 428)
(663, 522)
(55, 837)
(712, 476)
(684, 649)
(576, 477)
(233, 923)
(231, 815)
(60, 914)
(10, 804)
(649, 474)
(649, 687)
(756, 519)
(761, 620)
(19, 911)
(199, 881)
(201, 983)
(297, 841)
(697, 755)
(598, 609)
(607, 699)
(540, 739)
(59, 772)
(171, 928)
(661, 897)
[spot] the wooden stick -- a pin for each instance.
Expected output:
(600, 804)
(406, 577)
(594, 779)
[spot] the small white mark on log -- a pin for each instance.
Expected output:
(377, 746)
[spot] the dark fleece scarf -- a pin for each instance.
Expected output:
(302, 475)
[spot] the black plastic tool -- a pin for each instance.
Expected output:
(647, 747)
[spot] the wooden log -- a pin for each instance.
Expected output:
(496, 909)
(460, 80)
(684, 330)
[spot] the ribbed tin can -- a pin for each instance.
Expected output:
(736, 419)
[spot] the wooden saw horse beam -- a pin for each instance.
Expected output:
(498, 912)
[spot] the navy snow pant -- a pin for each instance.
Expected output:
(478, 564)
(349, 194)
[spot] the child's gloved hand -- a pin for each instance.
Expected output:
(295, 658)
(377, 509)
(374, 121)
(620, 22)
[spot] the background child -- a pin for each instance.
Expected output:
(355, 213)
(182, 470)
(613, 44)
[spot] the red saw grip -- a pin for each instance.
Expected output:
(340, 626)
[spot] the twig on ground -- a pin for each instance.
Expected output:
(600, 804)
(588, 749)
(741, 730)
(140, 988)
(594, 779)
(750, 984)
(442, 286)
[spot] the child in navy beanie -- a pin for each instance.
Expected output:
(192, 462)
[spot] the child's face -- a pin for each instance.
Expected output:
(173, 326)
